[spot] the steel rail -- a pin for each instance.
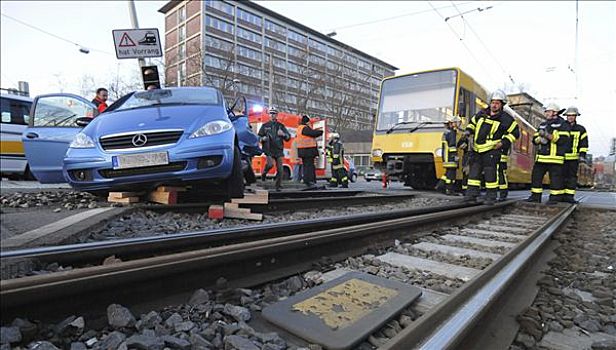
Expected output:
(131, 248)
(258, 261)
(445, 326)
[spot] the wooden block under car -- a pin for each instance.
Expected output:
(233, 211)
(171, 189)
(259, 197)
(163, 197)
(123, 200)
(216, 212)
(124, 194)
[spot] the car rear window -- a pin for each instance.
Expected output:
(192, 96)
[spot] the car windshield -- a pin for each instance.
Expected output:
(157, 97)
(417, 98)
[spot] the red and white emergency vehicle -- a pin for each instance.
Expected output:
(258, 116)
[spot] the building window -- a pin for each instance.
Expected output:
(181, 74)
(182, 14)
(292, 67)
(334, 52)
(317, 45)
(249, 71)
(220, 6)
(221, 25)
(182, 33)
(249, 17)
(248, 35)
(182, 51)
(249, 53)
(276, 28)
(300, 38)
(273, 44)
(317, 60)
(296, 52)
(218, 44)
(279, 63)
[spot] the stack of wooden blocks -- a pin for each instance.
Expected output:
(232, 209)
(163, 195)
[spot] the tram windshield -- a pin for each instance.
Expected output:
(423, 98)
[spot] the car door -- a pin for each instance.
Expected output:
(51, 129)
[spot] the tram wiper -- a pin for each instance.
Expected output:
(394, 126)
(421, 125)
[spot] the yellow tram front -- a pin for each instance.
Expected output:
(411, 119)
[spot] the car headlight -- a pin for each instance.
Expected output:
(377, 152)
(82, 140)
(212, 128)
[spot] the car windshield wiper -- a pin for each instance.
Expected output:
(423, 124)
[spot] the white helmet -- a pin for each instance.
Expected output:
(572, 110)
(334, 135)
(273, 110)
(453, 119)
(499, 95)
(552, 107)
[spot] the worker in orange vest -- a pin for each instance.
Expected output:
(307, 149)
(100, 100)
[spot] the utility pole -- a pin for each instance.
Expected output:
(271, 79)
(133, 19)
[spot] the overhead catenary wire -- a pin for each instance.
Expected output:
(461, 40)
(81, 47)
(395, 17)
(466, 23)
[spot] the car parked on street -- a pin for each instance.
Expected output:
(172, 136)
(373, 174)
(352, 169)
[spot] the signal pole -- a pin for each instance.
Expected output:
(133, 19)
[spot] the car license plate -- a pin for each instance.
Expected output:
(126, 161)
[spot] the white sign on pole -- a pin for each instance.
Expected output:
(137, 43)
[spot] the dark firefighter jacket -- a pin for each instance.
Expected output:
(273, 145)
(488, 130)
(578, 142)
(448, 144)
(552, 151)
(335, 153)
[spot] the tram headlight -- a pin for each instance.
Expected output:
(438, 152)
(377, 152)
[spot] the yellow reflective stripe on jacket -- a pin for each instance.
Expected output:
(584, 150)
(504, 158)
(512, 127)
(584, 135)
(549, 159)
(510, 137)
(575, 142)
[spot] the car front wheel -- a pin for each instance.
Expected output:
(234, 184)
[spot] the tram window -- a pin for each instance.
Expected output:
(465, 108)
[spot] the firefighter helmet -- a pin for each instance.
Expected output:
(499, 95)
(273, 110)
(453, 119)
(552, 107)
(334, 136)
(572, 111)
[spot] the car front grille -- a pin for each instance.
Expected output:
(154, 138)
(115, 173)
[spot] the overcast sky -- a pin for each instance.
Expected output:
(533, 42)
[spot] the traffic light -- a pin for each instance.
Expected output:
(150, 77)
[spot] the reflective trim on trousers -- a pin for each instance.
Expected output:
(536, 190)
(568, 191)
(556, 192)
(446, 180)
(474, 183)
(491, 185)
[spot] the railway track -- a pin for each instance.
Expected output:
(480, 254)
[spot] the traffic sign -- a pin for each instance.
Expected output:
(137, 43)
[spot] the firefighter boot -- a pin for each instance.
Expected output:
(534, 198)
(333, 182)
(490, 197)
(503, 195)
(554, 199)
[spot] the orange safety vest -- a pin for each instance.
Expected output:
(304, 141)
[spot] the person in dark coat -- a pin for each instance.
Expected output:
(307, 149)
(273, 135)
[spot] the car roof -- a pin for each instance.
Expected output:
(15, 97)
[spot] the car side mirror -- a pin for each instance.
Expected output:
(83, 121)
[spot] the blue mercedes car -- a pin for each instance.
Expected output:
(184, 135)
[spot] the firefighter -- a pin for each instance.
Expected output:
(577, 149)
(551, 139)
(490, 130)
(273, 134)
(307, 149)
(450, 154)
(335, 154)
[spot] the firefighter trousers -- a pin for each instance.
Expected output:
(556, 181)
(339, 177)
(486, 164)
(449, 178)
(503, 183)
(570, 177)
